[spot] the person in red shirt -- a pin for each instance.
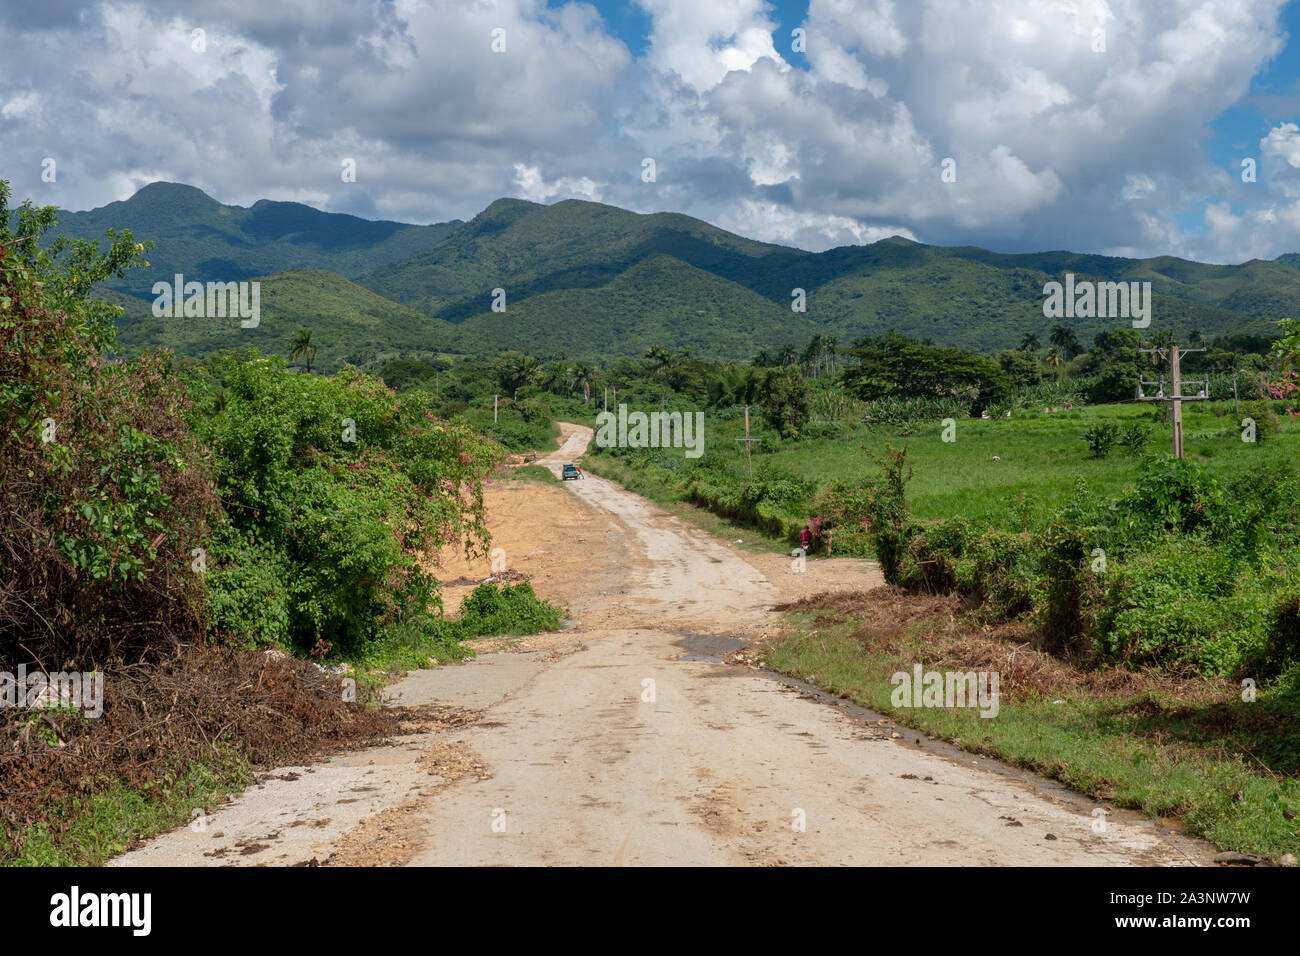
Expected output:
(805, 539)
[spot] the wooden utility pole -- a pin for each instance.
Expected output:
(494, 408)
(1176, 396)
(749, 465)
(1177, 400)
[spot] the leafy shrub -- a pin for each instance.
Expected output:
(1101, 438)
(1172, 494)
(493, 608)
(105, 489)
(1282, 645)
(1134, 437)
(773, 501)
(248, 597)
(348, 484)
(887, 522)
(1069, 584)
(1178, 607)
(1266, 421)
(996, 570)
(928, 558)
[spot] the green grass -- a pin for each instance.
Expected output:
(648, 485)
(1155, 760)
(1040, 455)
(105, 824)
(533, 473)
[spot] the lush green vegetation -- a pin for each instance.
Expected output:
(203, 239)
(1009, 502)
(511, 609)
(581, 265)
(595, 281)
(160, 523)
(334, 488)
(348, 324)
(235, 499)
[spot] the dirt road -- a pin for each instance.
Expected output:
(624, 740)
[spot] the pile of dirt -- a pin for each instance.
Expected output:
(159, 718)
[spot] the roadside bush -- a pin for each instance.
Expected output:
(1282, 645)
(104, 488)
(887, 522)
(348, 485)
(1070, 585)
(869, 516)
(493, 608)
(1177, 607)
(928, 559)
(1172, 494)
(773, 501)
(248, 597)
(995, 570)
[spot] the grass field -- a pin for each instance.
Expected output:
(1040, 457)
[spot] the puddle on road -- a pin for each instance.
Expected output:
(707, 648)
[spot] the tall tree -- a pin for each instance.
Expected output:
(1064, 340)
(1030, 343)
(660, 359)
(514, 370)
(582, 376)
(892, 365)
(832, 346)
(302, 347)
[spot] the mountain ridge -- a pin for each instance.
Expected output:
(578, 270)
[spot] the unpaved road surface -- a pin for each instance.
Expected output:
(625, 740)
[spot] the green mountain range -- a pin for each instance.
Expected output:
(348, 323)
(592, 280)
(205, 240)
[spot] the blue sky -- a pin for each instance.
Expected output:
(1128, 147)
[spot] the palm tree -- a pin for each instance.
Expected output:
(302, 346)
(1030, 343)
(1054, 357)
(582, 376)
(1064, 340)
(831, 344)
(514, 370)
(787, 354)
(818, 353)
(660, 358)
